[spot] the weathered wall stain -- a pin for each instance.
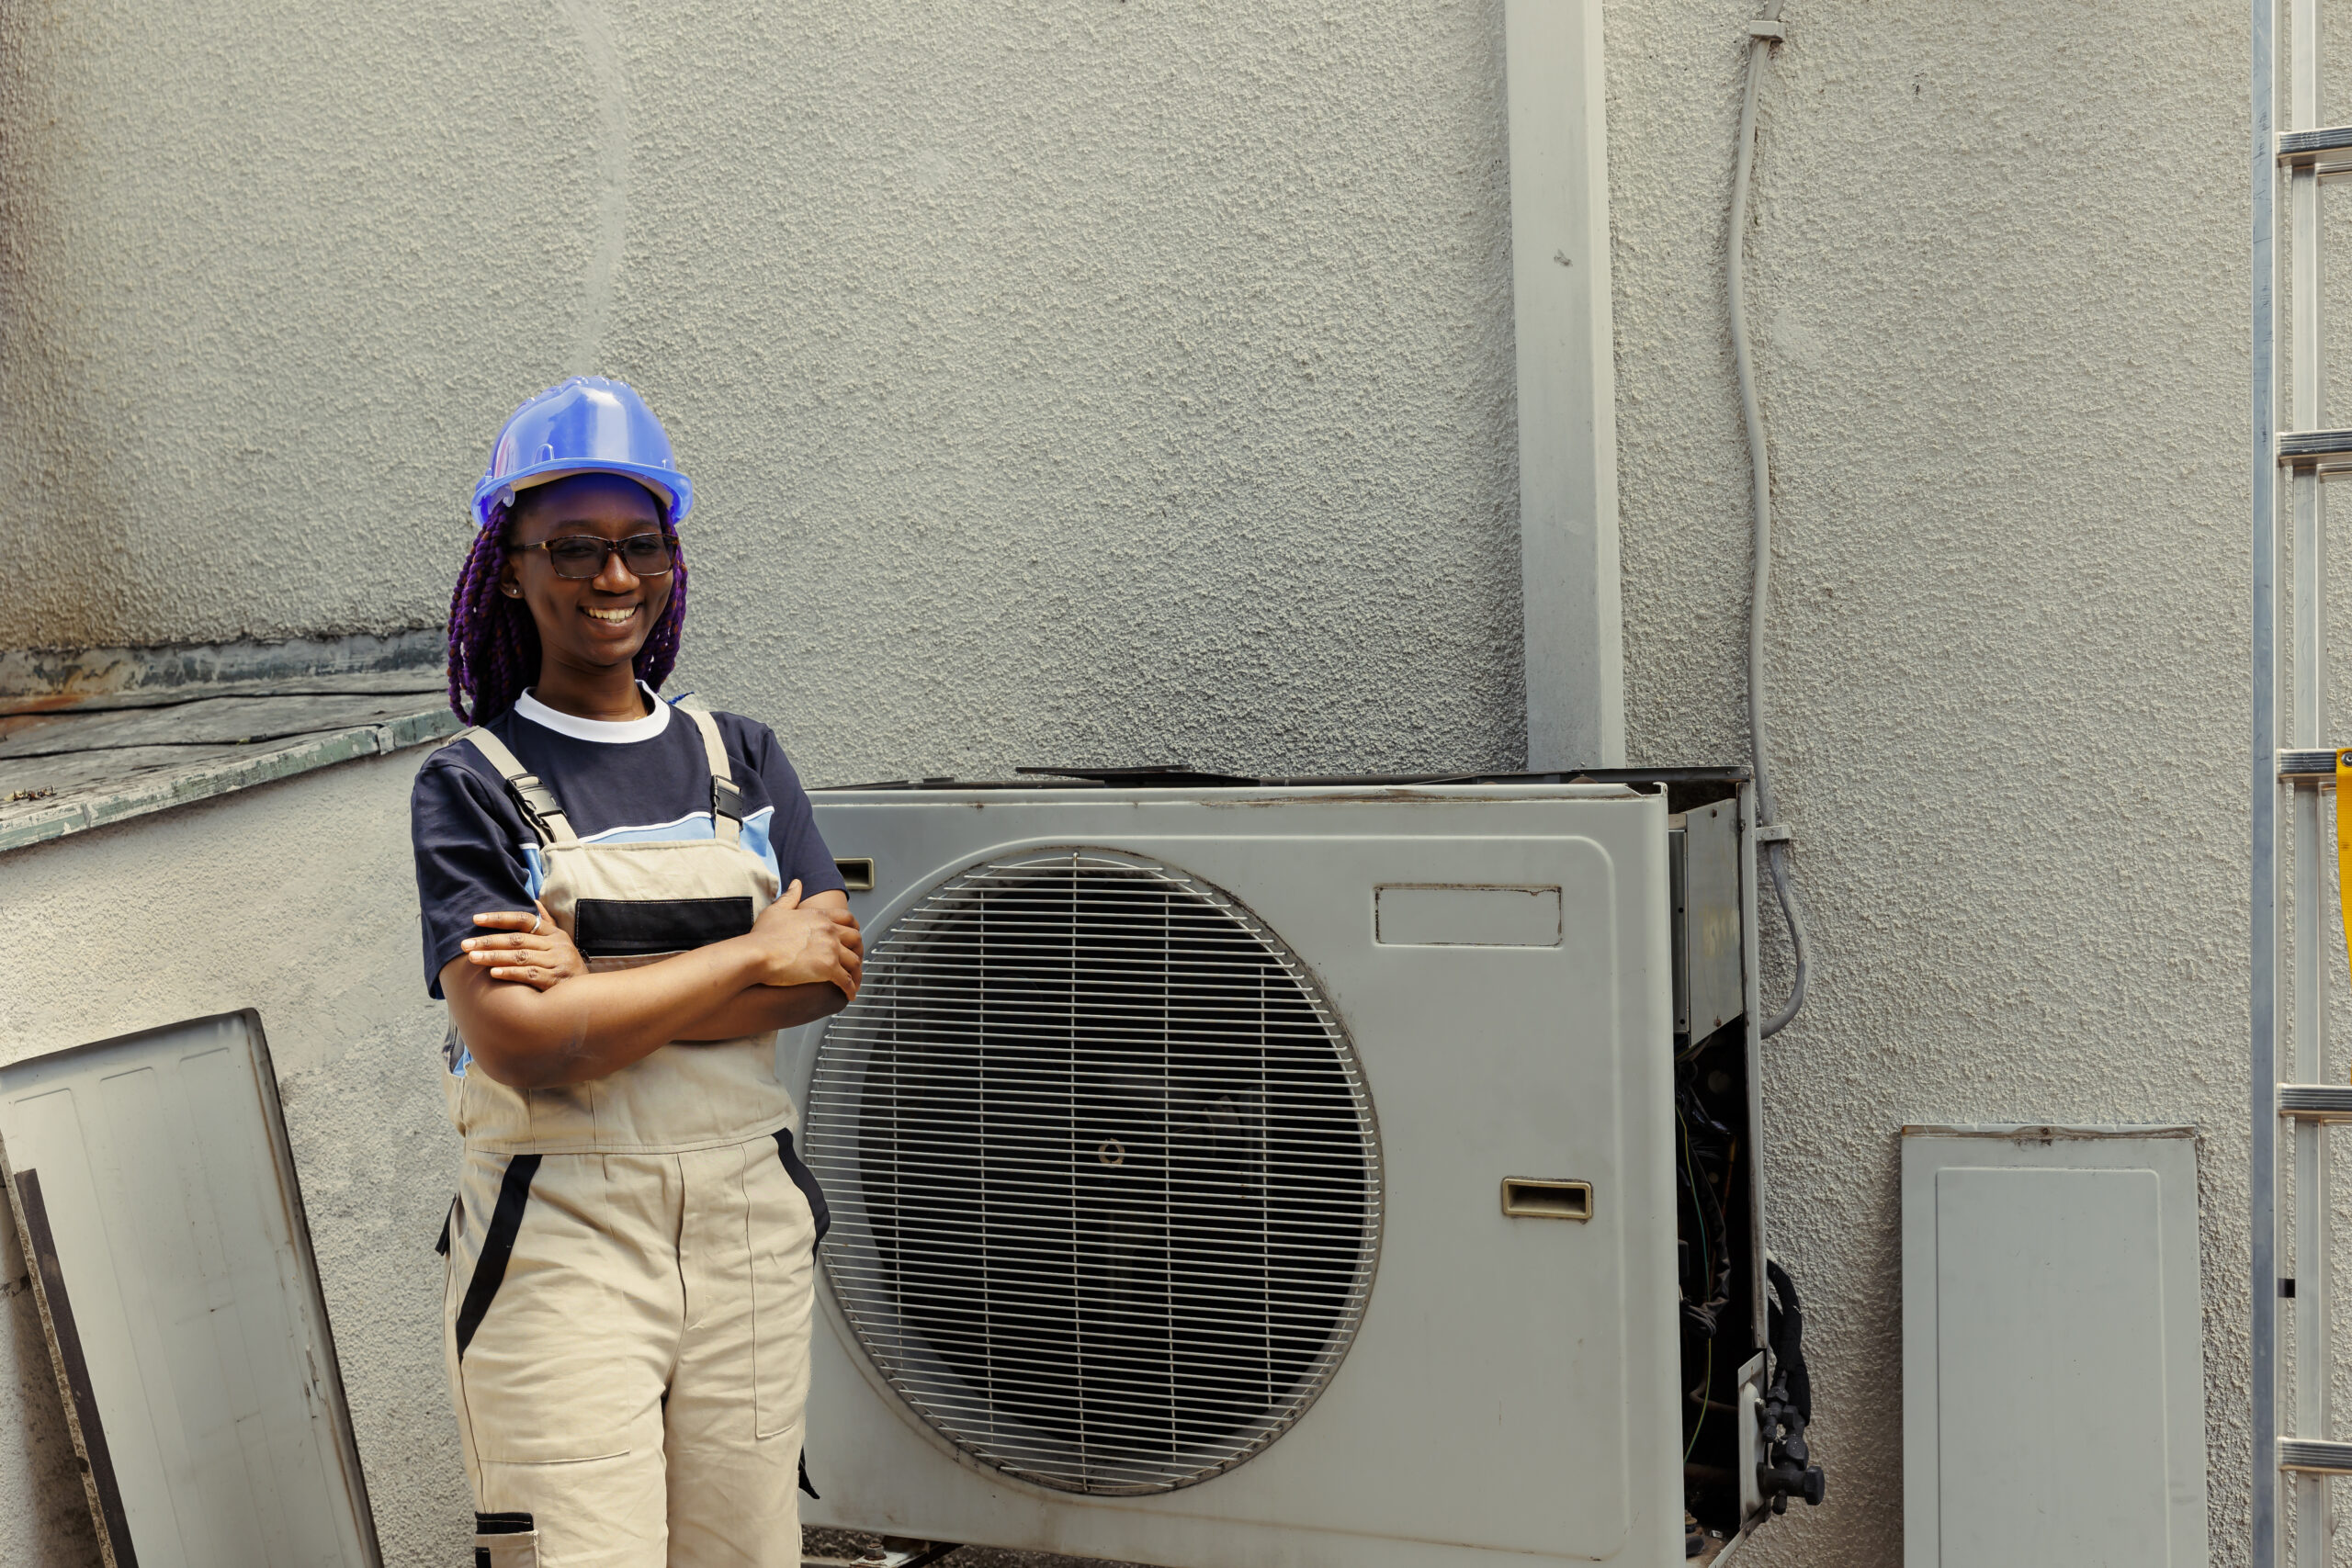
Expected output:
(601, 274)
(272, 275)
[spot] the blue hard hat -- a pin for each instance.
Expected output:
(587, 425)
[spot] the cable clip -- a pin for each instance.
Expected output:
(1776, 833)
(1775, 32)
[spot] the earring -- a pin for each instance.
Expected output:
(510, 591)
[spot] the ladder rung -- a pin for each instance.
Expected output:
(2327, 150)
(2308, 763)
(2316, 1102)
(2310, 1454)
(2326, 450)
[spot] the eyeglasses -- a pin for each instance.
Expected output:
(584, 555)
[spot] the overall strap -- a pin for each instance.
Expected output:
(539, 807)
(726, 800)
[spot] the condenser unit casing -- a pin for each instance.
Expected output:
(1236, 1177)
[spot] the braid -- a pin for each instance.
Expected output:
(495, 645)
(659, 654)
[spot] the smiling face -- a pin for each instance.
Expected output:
(587, 626)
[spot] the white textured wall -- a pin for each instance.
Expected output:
(2007, 393)
(1071, 381)
(267, 268)
(1125, 381)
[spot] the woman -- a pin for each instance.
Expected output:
(624, 899)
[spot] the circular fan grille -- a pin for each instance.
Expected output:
(1104, 1178)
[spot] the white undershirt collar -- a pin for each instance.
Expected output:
(612, 732)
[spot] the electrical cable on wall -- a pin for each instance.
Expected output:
(1761, 36)
(1787, 1469)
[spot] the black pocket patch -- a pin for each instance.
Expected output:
(503, 1524)
(633, 927)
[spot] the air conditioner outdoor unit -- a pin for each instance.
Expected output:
(1243, 1177)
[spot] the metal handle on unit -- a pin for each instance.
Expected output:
(1530, 1197)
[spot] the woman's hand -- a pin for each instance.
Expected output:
(798, 943)
(533, 950)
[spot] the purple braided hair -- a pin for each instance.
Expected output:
(495, 645)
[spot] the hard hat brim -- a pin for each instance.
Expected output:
(674, 489)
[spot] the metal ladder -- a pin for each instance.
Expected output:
(2293, 1457)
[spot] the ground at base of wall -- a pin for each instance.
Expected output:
(849, 1546)
(839, 1546)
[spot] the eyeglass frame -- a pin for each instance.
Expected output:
(611, 548)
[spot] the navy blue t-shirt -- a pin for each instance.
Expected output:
(640, 779)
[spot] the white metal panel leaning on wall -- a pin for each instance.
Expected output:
(150, 1177)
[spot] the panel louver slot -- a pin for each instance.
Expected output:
(1104, 1176)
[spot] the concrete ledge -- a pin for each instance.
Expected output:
(40, 816)
(96, 736)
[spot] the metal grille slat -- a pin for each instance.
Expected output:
(1039, 1225)
(1105, 1177)
(1307, 1257)
(1050, 1362)
(1130, 1148)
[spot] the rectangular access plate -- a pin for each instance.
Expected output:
(2053, 1391)
(151, 1181)
(1450, 915)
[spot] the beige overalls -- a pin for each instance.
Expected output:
(631, 1261)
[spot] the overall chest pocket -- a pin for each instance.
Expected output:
(637, 928)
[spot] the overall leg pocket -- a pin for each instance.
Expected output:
(606, 1513)
(505, 1541)
(569, 1321)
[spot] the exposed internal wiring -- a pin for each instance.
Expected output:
(1706, 1384)
(1691, 1173)
(1707, 1272)
(1776, 852)
(1702, 1306)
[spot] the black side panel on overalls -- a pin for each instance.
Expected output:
(497, 1247)
(806, 1179)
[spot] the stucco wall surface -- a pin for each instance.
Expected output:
(1997, 287)
(267, 270)
(1062, 382)
(297, 899)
